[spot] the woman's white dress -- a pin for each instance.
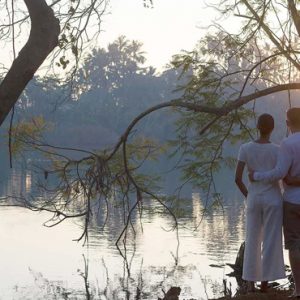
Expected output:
(263, 257)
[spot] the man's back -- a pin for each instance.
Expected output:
(291, 146)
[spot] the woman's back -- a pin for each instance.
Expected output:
(259, 157)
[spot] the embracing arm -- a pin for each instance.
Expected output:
(281, 169)
(294, 181)
(239, 177)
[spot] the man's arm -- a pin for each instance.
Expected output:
(281, 169)
(294, 181)
(239, 177)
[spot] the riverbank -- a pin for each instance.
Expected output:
(273, 294)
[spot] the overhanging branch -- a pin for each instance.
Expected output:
(217, 111)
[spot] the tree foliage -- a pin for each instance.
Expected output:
(227, 71)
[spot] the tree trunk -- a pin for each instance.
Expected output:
(42, 40)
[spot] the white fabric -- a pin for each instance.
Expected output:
(288, 163)
(259, 157)
(263, 257)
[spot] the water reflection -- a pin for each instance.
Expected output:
(43, 263)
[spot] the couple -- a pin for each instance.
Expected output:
(267, 164)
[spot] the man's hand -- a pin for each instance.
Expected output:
(251, 175)
(288, 180)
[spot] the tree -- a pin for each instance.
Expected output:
(60, 28)
(44, 24)
(115, 82)
(218, 81)
(111, 92)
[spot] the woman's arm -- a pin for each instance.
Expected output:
(239, 177)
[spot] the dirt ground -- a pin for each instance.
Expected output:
(272, 294)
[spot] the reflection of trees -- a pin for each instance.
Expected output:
(17, 182)
(221, 229)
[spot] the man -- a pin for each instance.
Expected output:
(288, 163)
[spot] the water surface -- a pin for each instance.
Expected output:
(45, 263)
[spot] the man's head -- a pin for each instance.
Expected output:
(293, 118)
(265, 124)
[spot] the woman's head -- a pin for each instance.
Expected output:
(265, 124)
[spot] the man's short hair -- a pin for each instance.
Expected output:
(265, 123)
(293, 116)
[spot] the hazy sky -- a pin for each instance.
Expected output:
(165, 29)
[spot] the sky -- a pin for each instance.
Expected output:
(166, 29)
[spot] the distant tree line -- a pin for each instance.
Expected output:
(112, 86)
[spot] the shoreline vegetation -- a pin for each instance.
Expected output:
(273, 294)
(275, 291)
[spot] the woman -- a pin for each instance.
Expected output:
(263, 257)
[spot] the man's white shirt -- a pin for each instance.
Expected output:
(288, 162)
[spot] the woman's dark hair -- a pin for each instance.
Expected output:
(265, 124)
